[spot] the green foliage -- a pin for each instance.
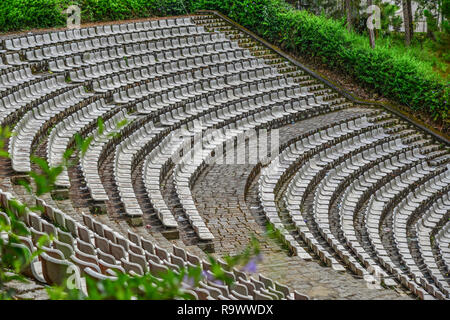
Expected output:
(125, 287)
(14, 257)
(250, 252)
(83, 144)
(394, 72)
(26, 14)
(122, 124)
(165, 286)
(5, 133)
(44, 180)
(20, 14)
(277, 235)
(388, 17)
(439, 36)
(100, 125)
(105, 10)
(119, 126)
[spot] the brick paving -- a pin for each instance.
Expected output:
(233, 219)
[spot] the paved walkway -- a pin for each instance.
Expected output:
(233, 219)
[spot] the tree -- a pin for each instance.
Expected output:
(371, 30)
(348, 10)
(407, 20)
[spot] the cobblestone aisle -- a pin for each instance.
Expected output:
(219, 195)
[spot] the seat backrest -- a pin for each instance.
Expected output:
(282, 288)
(5, 218)
(299, 296)
(156, 269)
(84, 264)
(97, 275)
(131, 267)
(66, 249)
(56, 271)
(261, 296)
(240, 296)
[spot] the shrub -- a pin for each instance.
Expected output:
(20, 14)
(107, 10)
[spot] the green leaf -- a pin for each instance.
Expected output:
(4, 154)
(122, 123)
(26, 185)
(67, 154)
(100, 125)
(85, 145)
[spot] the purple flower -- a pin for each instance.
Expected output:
(207, 275)
(220, 282)
(251, 266)
(189, 281)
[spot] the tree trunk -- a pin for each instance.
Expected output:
(371, 31)
(348, 10)
(407, 21)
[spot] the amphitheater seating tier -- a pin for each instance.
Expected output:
(368, 195)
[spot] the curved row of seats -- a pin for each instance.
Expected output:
(338, 173)
(169, 73)
(257, 115)
(30, 95)
(333, 181)
(178, 61)
(184, 113)
(44, 39)
(30, 125)
(357, 192)
(196, 158)
(91, 160)
(377, 204)
(123, 166)
(96, 250)
(61, 135)
(423, 228)
(153, 171)
(271, 175)
(64, 43)
(14, 79)
(443, 244)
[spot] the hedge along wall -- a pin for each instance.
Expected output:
(396, 75)
(26, 14)
(20, 14)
